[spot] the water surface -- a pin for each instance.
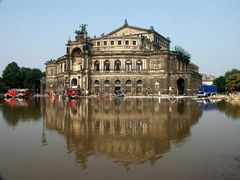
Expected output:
(102, 138)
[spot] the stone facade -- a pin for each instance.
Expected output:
(136, 60)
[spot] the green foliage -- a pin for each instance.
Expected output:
(32, 79)
(12, 76)
(233, 82)
(16, 77)
(220, 83)
(3, 87)
(233, 71)
(230, 82)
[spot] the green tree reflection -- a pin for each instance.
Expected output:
(15, 110)
(231, 110)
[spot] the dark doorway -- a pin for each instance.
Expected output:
(139, 87)
(117, 86)
(180, 85)
(74, 82)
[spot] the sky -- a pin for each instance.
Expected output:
(33, 32)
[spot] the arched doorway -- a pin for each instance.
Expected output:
(139, 87)
(117, 86)
(107, 86)
(76, 52)
(74, 83)
(128, 86)
(97, 87)
(180, 85)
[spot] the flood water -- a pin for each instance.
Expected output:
(102, 138)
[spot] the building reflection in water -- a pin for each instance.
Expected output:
(129, 130)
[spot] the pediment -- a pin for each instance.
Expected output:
(127, 30)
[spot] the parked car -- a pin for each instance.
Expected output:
(17, 93)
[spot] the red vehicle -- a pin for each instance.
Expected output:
(17, 93)
(73, 93)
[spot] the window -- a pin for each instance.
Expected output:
(128, 65)
(112, 43)
(65, 66)
(139, 65)
(96, 65)
(117, 65)
(128, 86)
(107, 86)
(107, 65)
(119, 42)
(134, 43)
(126, 42)
(104, 43)
(96, 83)
(98, 43)
(106, 83)
(97, 86)
(139, 86)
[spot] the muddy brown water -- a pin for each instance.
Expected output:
(130, 138)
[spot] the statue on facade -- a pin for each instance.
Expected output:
(82, 31)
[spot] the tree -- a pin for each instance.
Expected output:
(3, 87)
(229, 82)
(16, 77)
(24, 74)
(220, 83)
(12, 76)
(233, 71)
(233, 82)
(32, 79)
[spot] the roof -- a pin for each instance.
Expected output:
(151, 30)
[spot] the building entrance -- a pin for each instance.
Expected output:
(180, 85)
(117, 86)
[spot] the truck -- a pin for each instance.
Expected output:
(206, 90)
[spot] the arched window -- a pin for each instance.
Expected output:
(96, 83)
(128, 65)
(107, 65)
(139, 65)
(128, 86)
(107, 86)
(76, 52)
(96, 65)
(128, 83)
(139, 86)
(74, 82)
(117, 86)
(97, 86)
(117, 65)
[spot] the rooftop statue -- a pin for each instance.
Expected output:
(82, 31)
